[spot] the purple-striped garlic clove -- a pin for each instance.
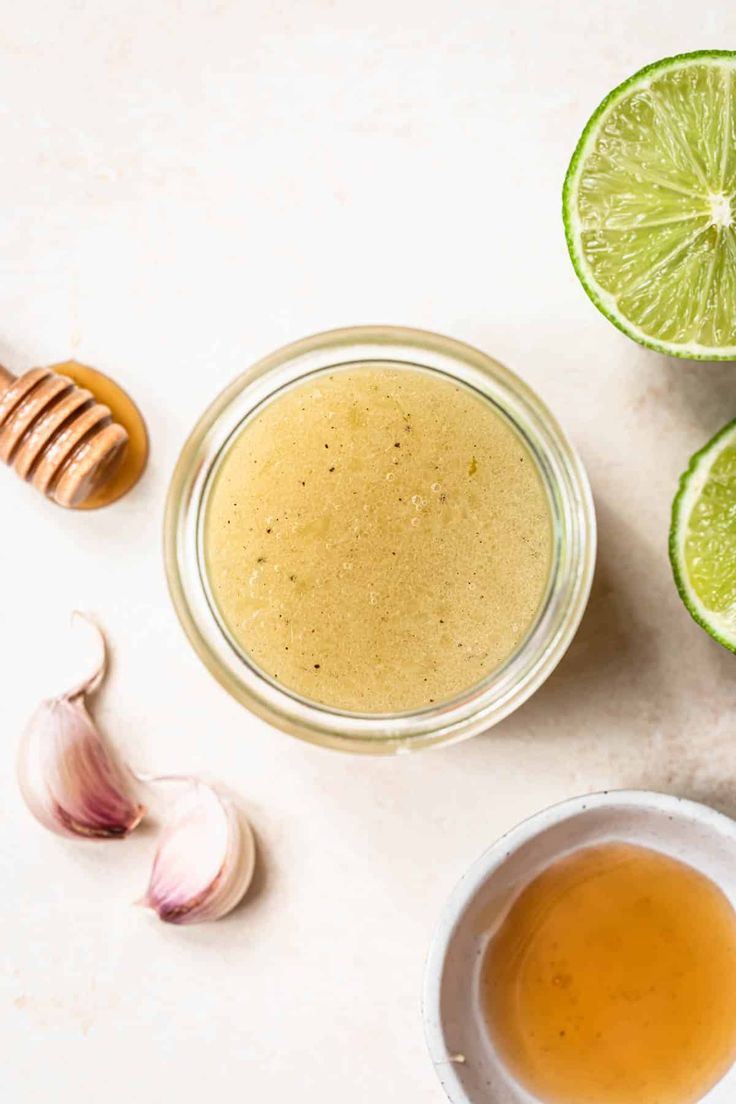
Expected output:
(70, 779)
(205, 859)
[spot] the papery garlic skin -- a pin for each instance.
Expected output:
(205, 859)
(69, 778)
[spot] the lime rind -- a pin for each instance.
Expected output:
(603, 300)
(692, 481)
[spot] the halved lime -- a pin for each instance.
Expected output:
(649, 205)
(703, 537)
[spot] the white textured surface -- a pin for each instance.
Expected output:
(186, 186)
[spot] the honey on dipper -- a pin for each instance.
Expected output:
(57, 435)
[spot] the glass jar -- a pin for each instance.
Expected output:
(572, 560)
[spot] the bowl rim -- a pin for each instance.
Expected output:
(482, 870)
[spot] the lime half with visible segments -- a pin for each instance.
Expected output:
(649, 205)
(703, 537)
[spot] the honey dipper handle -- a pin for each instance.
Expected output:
(6, 378)
(55, 436)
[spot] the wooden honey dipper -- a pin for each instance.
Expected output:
(57, 436)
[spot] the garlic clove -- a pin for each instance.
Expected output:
(205, 859)
(69, 778)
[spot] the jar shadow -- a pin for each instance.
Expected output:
(614, 649)
(690, 757)
(700, 394)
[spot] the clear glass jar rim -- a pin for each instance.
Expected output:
(502, 691)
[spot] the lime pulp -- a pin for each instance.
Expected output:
(703, 537)
(650, 206)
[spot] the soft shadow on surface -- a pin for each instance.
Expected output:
(150, 827)
(615, 647)
(700, 394)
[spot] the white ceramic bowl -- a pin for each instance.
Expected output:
(466, 1062)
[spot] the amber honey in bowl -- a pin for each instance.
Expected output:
(612, 980)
